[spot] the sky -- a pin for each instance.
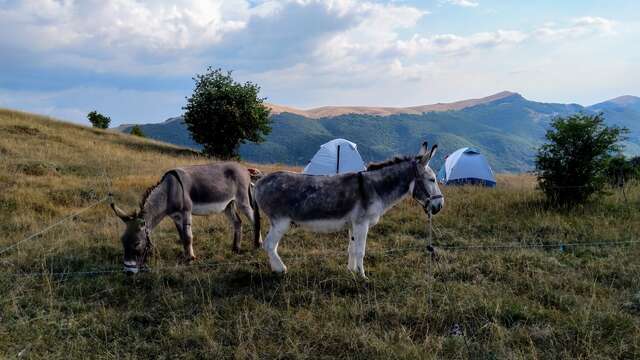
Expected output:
(134, 60)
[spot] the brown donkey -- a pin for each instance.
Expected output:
(182, 192)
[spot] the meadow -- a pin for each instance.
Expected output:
(571, 302)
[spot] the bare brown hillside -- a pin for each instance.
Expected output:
(327, 111)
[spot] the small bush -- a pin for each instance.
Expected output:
(4, 151)
(620, 171)
(572, 164)
(98, 120)
(137, 131)
(22, 130)
(37, 168)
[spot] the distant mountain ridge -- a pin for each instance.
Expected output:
(506, 127)
(331, 111)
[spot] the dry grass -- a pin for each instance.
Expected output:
(578, 303)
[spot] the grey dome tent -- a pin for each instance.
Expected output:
(466, 166)
(335, 157)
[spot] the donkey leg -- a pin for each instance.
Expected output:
(235, 220)
(360, 232)
(247, 210)
(183, 224)
(351, 265)
(276, 232)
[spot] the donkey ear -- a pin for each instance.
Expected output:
(433, 151)
(424, 161)
(424, 154)
(424, 149)
(120, 213)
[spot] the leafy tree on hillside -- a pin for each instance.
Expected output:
(572, 164)
(222, 114)
(98, 120)
(137, 131)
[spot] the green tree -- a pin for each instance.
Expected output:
(572, 164)
(221, 114)
(98, 120)
(137, 131)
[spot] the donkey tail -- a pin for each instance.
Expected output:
(257, 237)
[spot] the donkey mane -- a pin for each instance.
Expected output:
(384, 164)
(147, 193)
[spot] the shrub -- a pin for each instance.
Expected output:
(620, 170)
(137, 131)
(222, 114)
(572, 164)
(98, 120)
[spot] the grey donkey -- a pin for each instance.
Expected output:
(357, 200)
(183, 192)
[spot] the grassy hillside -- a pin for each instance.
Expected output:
(582, 302)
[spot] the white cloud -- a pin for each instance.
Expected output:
(579, 27)
(454, 44)
(361, 58)
(463, 3)
(300, 51)
(180, 37)
(123, 24)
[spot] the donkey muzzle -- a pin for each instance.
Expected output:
(433, 207)
(131, 267)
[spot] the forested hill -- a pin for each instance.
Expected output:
(506, 128)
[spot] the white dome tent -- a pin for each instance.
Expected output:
(335, 157)
(466, 166)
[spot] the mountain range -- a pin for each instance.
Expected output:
(506, 127)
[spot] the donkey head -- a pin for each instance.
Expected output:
(425, 189)
(135, 240)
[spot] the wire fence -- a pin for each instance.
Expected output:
(430, 250)
(64, 219)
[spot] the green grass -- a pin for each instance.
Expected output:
(580, 303)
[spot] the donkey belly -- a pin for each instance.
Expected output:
(209, 208)
(324, 225)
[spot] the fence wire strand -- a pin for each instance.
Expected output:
(430, 254)
(429, 247)
(64, 219)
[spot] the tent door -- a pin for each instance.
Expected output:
(338, 161)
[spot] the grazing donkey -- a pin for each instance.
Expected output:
(186, 191)
(329, 203)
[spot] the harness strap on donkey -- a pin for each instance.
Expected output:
(417, 177)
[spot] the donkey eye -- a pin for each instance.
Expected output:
(432, 180)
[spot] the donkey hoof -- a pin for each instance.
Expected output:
(357, 274)
(280, 271)
(362, 275)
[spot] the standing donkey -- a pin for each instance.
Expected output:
(182, 192)
(329, 203)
